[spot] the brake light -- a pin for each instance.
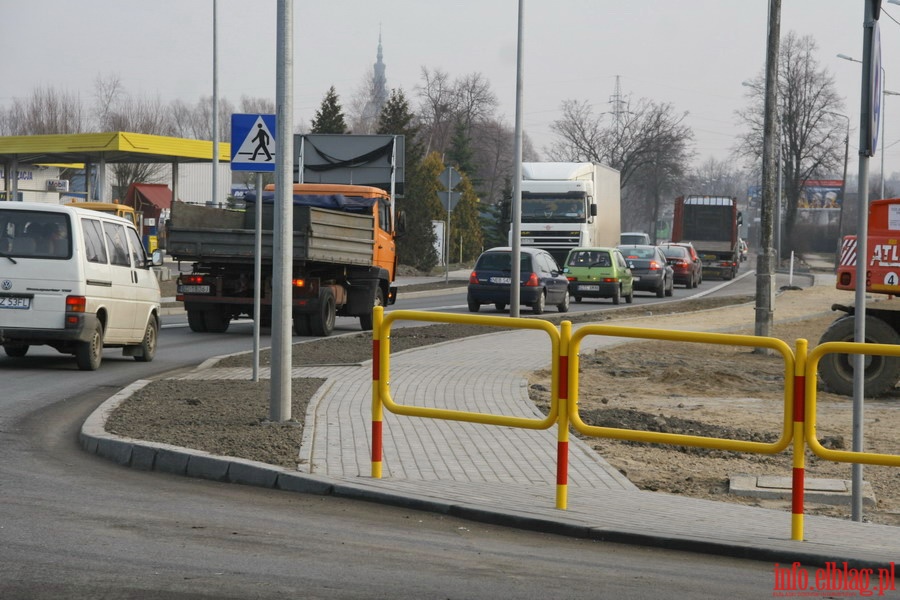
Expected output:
(532, 281)
(473, 277)
(654, 266)
(298, 283)
(682, 263)
(610, 280)
(192, 279)
(570, 278)
(76, 304)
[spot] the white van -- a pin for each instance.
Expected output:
(77, 280)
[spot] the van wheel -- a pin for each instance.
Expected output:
(215, 320)
(148, 344)
(196, 321)
(322, 321)
(15, 351)
(89, 354)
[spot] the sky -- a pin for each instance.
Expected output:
(692, 54)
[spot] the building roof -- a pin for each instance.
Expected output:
(157, 194)
(115, 147)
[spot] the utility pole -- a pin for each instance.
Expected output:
(765, 260)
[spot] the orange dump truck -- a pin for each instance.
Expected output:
(344, 258)
(882, 324)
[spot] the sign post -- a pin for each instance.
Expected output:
(451, 176)
(253, 149)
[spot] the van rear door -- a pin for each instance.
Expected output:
(37, 271)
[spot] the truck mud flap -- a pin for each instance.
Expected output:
(361, 297)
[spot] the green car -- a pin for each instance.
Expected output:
(599, 273)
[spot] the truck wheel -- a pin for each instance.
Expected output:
(881, 372)
(89, 354)
(322, 321)
(148, 344)
(301, 325)
(216, 321)
(367, 322)
(196, 321)
(17, 351)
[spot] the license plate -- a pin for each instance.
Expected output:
(635, 278)
(505, 280)
(194, 289)
(13, 302)
(589, 288)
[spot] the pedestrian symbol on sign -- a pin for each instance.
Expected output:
(263, 138)
(253, 142)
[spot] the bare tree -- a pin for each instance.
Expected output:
(812, 130)
(475, 101)
(437, 109)
(46, 111)
(646, 141)
(362, 113)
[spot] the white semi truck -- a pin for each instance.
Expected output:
(569, 205)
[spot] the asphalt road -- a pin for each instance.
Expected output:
(74, 525)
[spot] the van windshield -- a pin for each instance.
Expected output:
(35, 234)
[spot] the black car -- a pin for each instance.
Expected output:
(651, 269)
(541, 280)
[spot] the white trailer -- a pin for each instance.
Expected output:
(568, 205)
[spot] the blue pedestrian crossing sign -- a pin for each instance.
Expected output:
(253, 143)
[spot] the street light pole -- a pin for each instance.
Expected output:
(840, 240)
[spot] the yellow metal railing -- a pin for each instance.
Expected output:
(798, 409)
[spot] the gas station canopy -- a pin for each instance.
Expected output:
(116, 147)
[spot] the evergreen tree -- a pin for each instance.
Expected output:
(460, 153)
(466, 241)
(495, 218)
(330, 116)
(417, 246)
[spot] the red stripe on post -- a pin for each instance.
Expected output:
(376, 353)
(562, 463)
(564, 377)
(799, 395)
(798, 483)
(376, 441)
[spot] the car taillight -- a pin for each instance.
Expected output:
(532, 280)
(570, 278)
(610, 280)
(75, 304)
(654, 266)
(682, 263)
(473, 277)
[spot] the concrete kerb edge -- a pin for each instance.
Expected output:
(192, 463)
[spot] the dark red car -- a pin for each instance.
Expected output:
(685, 262)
